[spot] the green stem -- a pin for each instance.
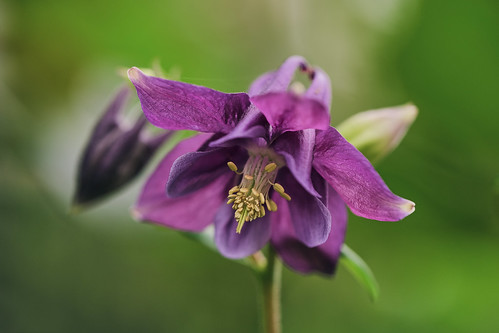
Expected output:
(271, 287)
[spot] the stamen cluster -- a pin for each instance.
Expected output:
(250, 197)
(247, 204)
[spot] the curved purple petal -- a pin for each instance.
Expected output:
(176, 105)
(297, 148)
(339, 218)
(355, 179)
(289, 112)
(109, 120)
(253, 125)
(254, 235)
(309, 215)
(182, 213)
(298, 256)
(195, 170)
(279, 79)
(320, 88)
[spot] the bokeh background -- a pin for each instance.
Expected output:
(100, 271)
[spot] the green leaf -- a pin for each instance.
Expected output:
(360, 271)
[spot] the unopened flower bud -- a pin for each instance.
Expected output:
(114, 154)
(376, 133)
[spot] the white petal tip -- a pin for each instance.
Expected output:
(135, 74)
(409, 207)
(136, 215)
(410, 112)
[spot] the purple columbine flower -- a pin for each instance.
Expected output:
(286, 173)
(115, 153)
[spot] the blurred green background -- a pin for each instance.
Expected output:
(102, 272)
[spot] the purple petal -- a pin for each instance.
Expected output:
(298, 256)
(253, 125)
(355, 179)
(156, 184)
(254, 235)
(309, 215)
(123, 147)
(278, 80)
(109, 120)
(294, 253)
(190, 213)
(289, 112)
(339, 218)
(297, 148)
(194, 170)
(176, 105)
(320, 88)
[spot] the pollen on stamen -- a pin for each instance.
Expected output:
(271, 205)
(270, 167)
(234, 189)
(232, 166)
(285, 196)
(250, 199)
(278, 187)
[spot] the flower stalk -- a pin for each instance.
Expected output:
(270, 280)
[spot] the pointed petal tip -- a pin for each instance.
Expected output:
(405, 208)
(410, 112)
(136, 214)
(140, 217)
(135, 74)
(409, 207)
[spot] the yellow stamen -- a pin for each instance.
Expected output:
(232, 166)
(234, 189)
(278, 187)
(271, 205)
(250, 199)
(285, 196)
(270, 167)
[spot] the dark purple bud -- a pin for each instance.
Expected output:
(114, 154)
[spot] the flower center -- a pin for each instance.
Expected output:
(250, 197)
